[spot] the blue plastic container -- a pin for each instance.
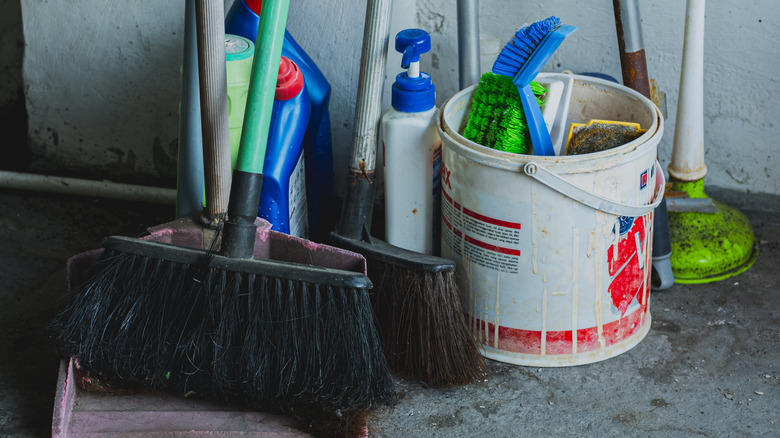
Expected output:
(283, 196)
(242, 19)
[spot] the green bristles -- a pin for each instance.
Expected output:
(497, 119)
(538, 90)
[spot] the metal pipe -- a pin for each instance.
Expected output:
(85, 187)
(468, 43)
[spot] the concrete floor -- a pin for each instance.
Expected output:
(710, 365)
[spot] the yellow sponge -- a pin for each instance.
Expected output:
(600, 135)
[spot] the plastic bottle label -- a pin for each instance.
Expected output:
(299, 215)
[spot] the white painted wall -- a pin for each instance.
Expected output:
(102, 90)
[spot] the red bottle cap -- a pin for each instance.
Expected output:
(290, 80)
(254, 5)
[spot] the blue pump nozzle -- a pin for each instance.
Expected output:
(413, 90)
(412, 43)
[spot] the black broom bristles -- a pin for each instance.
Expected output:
(421, 322)
(256, 333)
(418, 312)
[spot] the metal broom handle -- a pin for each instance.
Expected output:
(632, 46)
(372, 75)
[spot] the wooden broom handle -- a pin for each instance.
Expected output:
(210, 28)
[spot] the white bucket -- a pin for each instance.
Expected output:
(545, 281)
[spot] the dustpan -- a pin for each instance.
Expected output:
(80, 409)
(80, 412)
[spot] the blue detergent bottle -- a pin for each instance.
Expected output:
(283, 195)
(242, 19)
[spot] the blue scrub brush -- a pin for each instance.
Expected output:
(523, 58)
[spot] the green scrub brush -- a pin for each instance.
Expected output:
(497, 119)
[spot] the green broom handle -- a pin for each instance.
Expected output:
(239, 230)
(262, 85)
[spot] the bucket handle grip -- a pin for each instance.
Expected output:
(555, 182)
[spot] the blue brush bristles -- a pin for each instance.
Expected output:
(526, 39)
(522, 59)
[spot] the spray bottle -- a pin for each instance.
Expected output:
(411, 150)
(242, 19)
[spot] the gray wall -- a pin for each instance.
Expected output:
(101, 77)
(102, 86)
(13, 117)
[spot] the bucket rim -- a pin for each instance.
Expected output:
(564, 163)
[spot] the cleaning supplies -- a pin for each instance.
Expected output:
(242, 19)
(522, 59)
(415, 298)
(600, 135)
(411, 151)
(283, 196)
(227, 326)
(497, 119)
(239, 54)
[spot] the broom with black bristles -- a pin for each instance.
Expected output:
(227, 327)
(416, 300)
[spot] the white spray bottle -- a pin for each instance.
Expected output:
(411, 151)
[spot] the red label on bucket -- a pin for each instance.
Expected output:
(627, 263)
(556, 342)
(490, 242)
(629, 288)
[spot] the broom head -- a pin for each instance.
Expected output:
(254, 333)
(418, 313)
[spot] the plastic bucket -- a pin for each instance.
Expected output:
(554, 254)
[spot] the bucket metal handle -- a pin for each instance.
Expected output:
(555, 182)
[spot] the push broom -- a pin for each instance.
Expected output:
(416, 302)
(226, 326)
